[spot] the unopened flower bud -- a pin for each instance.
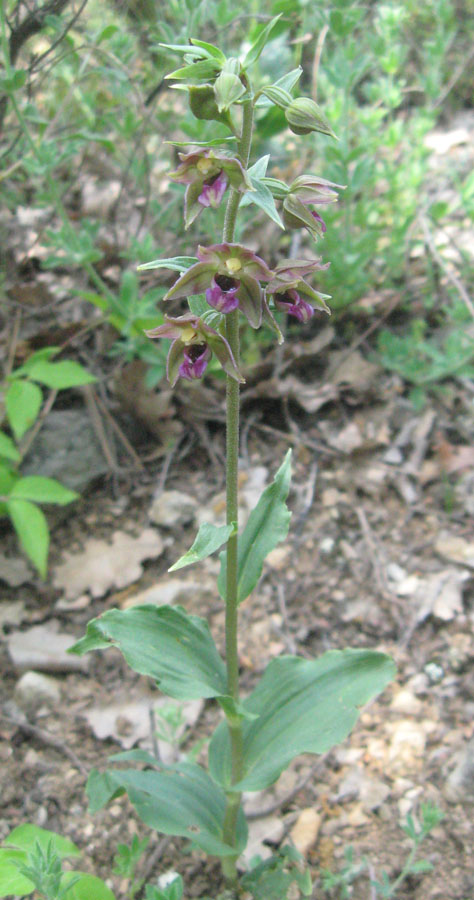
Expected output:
(304, 115)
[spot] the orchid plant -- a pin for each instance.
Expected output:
(300, 705)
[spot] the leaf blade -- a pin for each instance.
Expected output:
(208, 539)
(32, 530)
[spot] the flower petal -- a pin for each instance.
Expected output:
(250, 300)
(194, 281)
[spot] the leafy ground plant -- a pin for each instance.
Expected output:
(299, 705)
(20, 496)
(338, 884)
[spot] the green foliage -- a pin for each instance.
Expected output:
(20, 495)
(278, 877)
(339, 883)
(31, 860)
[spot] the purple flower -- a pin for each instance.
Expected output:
(213, 190)
(222, 294)
(230, 276)
(292, 303)
(194, 342)
(291, 293)
(303, 192)
(208, 175)
(195, 360)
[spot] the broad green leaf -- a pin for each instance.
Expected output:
(12, 883)
(25, 837)
(177, 263)
(22, 403)
(42, 490)
(174, 648)
(303, 706)
(32, 529)
(259, 44)
(208, 539)
(60, 375)
(262, 197)
(180, 800)
(87, 887)
(267, 525)
(8, 449)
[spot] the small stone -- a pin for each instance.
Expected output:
(459, 787)
(327, 545)
(406, 702)
(34, 690)
(45, 648)
(305, 830)
(172, 508)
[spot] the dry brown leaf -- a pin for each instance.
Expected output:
(102, 566)
(305, 830)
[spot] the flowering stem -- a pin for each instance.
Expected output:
(232, 458)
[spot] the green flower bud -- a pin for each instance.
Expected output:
(304, 115)
(202, 102)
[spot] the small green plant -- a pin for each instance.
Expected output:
(20, 496)
(339, 884)
(126, 861)
(31, 859)
(299, 705)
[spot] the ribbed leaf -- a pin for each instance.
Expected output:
(165, 643)
(266, 527)
(208, 539)
(303, 706)
(180, 800)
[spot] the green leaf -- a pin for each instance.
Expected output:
(258, 45)
(25, 837)
(22, 403)
(202, 69)
(180, 800)
(209, 538)
(177, 263)
(87, 887)
(8, 449)
(267, 525)
(209, 48)
(213, 142)
(262, 197)
(164, 642)
(32, 529)
(303, 706)
(286, 83)
(11, 881)
(60, 375)
(42, 490)
(421, 865)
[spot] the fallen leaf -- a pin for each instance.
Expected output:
(455, 549)
(102, 566)
(130, 722)
(14, 570)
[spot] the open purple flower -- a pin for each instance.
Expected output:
(230, 277)
(292, 294)
(303, 192)
(194, 342)
(208, 175)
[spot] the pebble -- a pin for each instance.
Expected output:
(34, 690)
(44, 648)
(172, 508)
(459, 786)
(305, 830)
(405, 702)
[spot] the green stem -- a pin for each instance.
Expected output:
(232, 459)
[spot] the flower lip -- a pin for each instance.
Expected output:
(195, 361)
(222, 295)
(290, 302)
